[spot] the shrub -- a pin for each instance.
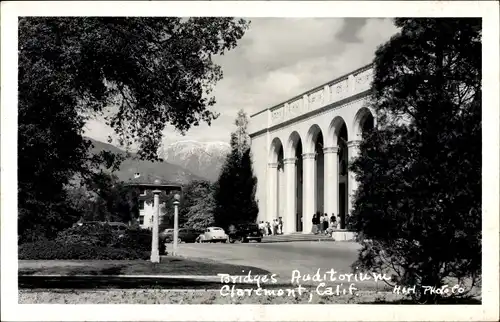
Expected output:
(57, 250)
(92, 242)
(138, 239)
(90, 235)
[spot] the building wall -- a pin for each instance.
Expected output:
(323, 107)
(147, 214)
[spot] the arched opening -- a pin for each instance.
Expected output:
(313, 177)
(299, 226)
(342, 160)
(367, 124)
(294, 219)
(364, 122)
(276, 181)
(320, 174)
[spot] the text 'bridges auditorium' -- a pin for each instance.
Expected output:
(301, 149)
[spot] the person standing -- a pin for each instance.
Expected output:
(280, 226)
(315, 224)
(325, 223)
(261, 227)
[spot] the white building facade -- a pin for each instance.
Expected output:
(301, 150)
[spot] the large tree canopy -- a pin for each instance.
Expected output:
(419, 200)
(142, 73)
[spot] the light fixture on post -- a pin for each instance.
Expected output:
(157, 187)
(155, 253)
(177, 197)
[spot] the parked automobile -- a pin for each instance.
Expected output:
(187, 235)
(212, 235)
(245, 232)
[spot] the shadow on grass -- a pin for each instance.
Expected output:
(167, 266)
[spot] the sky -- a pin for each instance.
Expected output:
(276, 59)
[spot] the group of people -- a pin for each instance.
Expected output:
(322, 224)
(274, 228)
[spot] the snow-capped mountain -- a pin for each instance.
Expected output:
(204, 159)
(133, 169)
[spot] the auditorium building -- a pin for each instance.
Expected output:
(302, 147)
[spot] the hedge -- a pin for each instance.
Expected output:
(98, 242)
(57, 250)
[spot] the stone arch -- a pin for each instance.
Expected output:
(294, 163)
(311, 138)
(363, 116)
(275, 150)
(291, 146)
(331, 140)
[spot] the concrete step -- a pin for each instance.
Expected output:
(296, 237)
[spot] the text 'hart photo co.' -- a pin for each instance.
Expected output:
(251, 160)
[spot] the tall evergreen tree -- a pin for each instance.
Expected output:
(198, 205)
(235, 190)
(418, 205)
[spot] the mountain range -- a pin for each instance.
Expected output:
(204, 159)
(184, 161)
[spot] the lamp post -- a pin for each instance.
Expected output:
(157, 187)
(177, 197)
(155, 254)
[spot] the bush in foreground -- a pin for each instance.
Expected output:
(90, 242)
(55, 250)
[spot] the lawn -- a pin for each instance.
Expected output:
(168, 266)
(157, 296)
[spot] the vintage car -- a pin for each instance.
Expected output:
(187, 235)
(245, 232)
(212, 235)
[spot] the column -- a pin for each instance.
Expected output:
(290, 202)
(331, 181)
(272, 196)
(352, 185)
(308, 208)
(155, 253)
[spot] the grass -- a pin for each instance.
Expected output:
(158, 296)
(167, 266)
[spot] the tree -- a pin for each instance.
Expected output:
(418, 204)
(198, 205)
(235, 190)
(141, 73)
(105, 198)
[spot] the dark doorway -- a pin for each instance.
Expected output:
(299, 190)
(342, 204)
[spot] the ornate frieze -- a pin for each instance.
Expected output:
(330, 93)
(273, 165)
(316, 99)
(290, 161)
(277, 115)
(339, 91)
(294, 108)
(363, 80)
